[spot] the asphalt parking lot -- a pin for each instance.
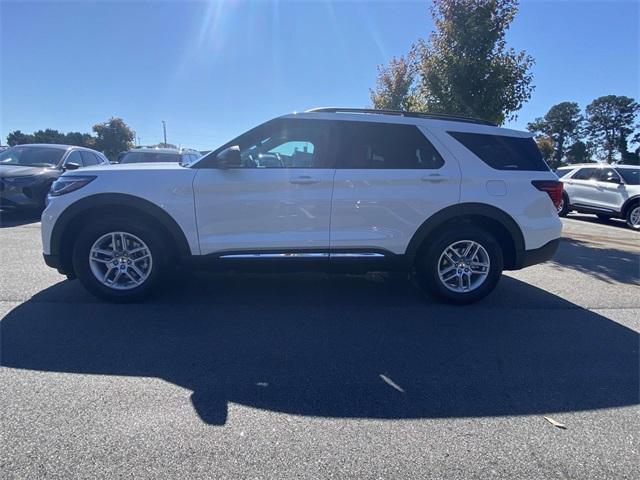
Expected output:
(316, 376)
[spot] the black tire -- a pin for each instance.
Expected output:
(631, 211)
(565, 207)
(428, 262)
(92, 232)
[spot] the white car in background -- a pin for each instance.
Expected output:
(609, 191)
(455, 200)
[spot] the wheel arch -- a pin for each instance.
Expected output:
(629, 202)
(492, 219)
(74, 217)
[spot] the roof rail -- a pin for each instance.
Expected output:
(402, 113)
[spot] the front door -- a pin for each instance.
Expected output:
(277, 200)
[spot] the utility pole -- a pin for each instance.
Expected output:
(164, 129)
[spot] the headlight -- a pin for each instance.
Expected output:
(69, 184)
(20, 181)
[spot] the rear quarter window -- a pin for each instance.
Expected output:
(503, 152)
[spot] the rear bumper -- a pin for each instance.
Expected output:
(539, 255)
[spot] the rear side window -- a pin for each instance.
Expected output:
(150, 157)
(502, 152)
(631, 175)
(382, 146)
(585, 174)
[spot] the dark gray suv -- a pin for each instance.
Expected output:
(27, 171)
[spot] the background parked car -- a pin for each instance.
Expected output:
(154, 155)
(27, 171)
(607, 190)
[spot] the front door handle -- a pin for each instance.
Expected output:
(434, 178)
(304, 180)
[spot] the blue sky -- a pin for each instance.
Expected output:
(213, 70)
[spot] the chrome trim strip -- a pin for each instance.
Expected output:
(276, 255)
(356, 255)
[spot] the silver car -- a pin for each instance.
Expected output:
(609, 191)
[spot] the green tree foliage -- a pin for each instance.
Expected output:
(396, 87)
(562, 123)
(113, 137)
(18, 138)
(610, 121)
(546, 146)
(579, 152)
(466, 67)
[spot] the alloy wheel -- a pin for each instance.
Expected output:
(120, 260)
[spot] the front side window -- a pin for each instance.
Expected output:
(285, 143)
(31, 156)
(368, 145)
(608, 175)
(631, 175)
(503, 152)
(585, 174)
(74, 157)
(89, 158)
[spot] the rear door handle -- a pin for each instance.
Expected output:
(434, 178)
(304, 180)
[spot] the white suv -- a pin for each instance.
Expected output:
(453, 199)
(606, 190)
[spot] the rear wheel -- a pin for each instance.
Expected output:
(633, 217)
(461, 266)
(119, 260)
(563, 208)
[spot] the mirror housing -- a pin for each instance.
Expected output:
(229, 158)
(71, 166)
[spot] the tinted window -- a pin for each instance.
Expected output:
(608, 175)
(562, 172)
(631, 175)
(89, 158)
(585, 174)
(31, 156)
(285, 143)
(74, 157)
(151, 156)
(378, 145)
(502, 152)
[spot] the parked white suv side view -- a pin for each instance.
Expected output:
(454, 200)
(606, 190)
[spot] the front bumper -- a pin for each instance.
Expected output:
(20, 197)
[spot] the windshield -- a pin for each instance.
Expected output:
(31, 156)
(631, 175)
(145, 157)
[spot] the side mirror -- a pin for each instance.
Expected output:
(229, 158)
(71, 166)
(612, 180)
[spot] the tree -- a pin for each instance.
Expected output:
(396, 85)
(79, 139)
(546, 146)
(113, 137)
(48, 136)
(18, 138)
(579, 152)
(465, 67)
(562, 123)
(610, 121)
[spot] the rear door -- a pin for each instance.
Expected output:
(278, 201)
(389, 180)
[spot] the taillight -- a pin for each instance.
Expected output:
(552, 187)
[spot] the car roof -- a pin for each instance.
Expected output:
(57, 146)
(441, 121)
(596, 165)
(163, 150)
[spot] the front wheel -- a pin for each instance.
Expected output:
(461, 266)
(633, 217)
(119, 260)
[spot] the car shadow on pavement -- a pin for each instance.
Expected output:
(336, 346)
(588, 218)
(606, 264)
(15, 218)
